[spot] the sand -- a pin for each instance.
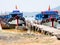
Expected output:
(9, 37)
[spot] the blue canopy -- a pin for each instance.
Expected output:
(50, 12)
(17, 12)
(46, 14)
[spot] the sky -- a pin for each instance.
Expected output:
(28, 5)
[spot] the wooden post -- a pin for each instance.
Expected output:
(17, 22)
(52, 23)
(0, 24)
(0, 27)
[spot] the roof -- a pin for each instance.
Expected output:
(50, 12)
(16, 12)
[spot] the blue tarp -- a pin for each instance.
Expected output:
(46, 14)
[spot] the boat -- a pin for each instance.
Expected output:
(13, 19)
(47, 17)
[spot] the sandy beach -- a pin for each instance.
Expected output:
(23, 38)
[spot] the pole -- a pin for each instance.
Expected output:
(52, 23)
(16, 17)
(17, 22)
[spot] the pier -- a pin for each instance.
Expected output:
(47, 30)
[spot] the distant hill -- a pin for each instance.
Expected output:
(57, 9)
